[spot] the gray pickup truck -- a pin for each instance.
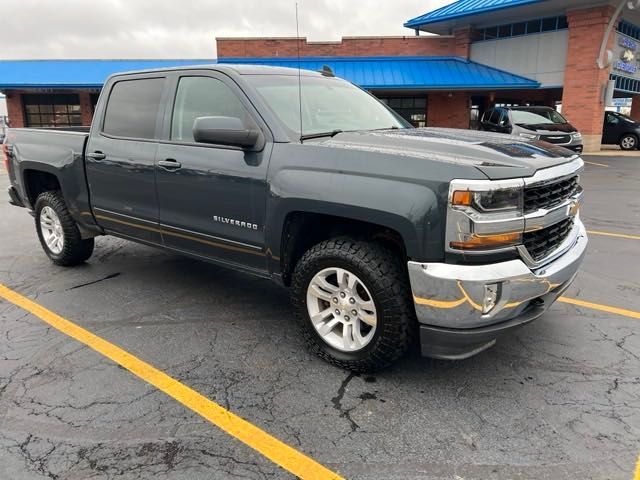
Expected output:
(385, 234)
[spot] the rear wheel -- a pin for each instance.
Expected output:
(354, 305)
(58, 231)
(629, 142)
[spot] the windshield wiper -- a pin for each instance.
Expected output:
(309, 136)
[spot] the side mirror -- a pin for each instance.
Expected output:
(224, 131)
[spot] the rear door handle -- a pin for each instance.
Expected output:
(170, 164)
(96, 156)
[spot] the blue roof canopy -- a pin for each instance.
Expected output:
(465, 8)
(403, 72)
(74, 73)
(367, 72)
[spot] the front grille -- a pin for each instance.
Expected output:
(557, 139)
(541, 243)
(549, 194)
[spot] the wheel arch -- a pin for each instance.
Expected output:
(303, 228)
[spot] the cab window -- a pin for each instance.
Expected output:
(612, 119)
(203, 97)
(132, 108)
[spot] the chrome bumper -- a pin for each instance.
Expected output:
(450, 299)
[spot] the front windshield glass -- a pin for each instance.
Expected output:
(328, 104)
(624, 117)
(536, 116)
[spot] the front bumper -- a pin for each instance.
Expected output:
(450, 299)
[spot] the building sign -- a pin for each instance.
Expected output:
(626, 56)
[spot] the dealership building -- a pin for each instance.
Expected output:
(456, 62)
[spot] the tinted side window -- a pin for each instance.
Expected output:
(132, 108)
(203, 97)
(495, 117)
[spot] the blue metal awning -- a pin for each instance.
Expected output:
(74, 73)
(465, 8)
(368, 72)
(381, 73)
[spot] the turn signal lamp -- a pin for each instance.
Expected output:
(486, 242)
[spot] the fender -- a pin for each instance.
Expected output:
(410, 209)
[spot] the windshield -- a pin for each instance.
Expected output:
(328, 104)
(624, 117)
(536, 116)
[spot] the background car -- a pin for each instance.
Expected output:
(533, 123)
(620, 130)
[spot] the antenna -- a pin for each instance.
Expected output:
(299, 72)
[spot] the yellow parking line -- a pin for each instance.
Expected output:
(275, 450)
(637, 474)
(602, 308)
(596, 163)
(610, 234)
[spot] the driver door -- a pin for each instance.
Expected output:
(212, 198)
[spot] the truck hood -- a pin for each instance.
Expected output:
(496, 155)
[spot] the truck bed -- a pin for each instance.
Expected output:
(58, 151)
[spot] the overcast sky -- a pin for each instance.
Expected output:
(185, 28)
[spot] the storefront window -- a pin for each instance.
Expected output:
(412, 109)
(52, 110)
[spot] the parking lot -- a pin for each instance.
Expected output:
(558, 399)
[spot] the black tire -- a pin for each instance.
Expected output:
(628, 141)
(385, 278)
(75, 250)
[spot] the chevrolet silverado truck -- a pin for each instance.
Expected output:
(385, 234)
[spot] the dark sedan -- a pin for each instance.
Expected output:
(620, 130)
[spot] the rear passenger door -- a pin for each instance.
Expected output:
(212, 197)
(121, 156)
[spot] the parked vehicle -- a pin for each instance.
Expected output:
(533, 123)
(383, 232)
(618, 129)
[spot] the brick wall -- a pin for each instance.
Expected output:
(86, 109)
(584, 81)
(448, 111)
(635, 108)
(347, 47)
(15, 111)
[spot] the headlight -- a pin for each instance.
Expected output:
(576, 136)
(483, 216)
(528, 136)
(503, 200)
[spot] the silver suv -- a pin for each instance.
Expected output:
(533, 123)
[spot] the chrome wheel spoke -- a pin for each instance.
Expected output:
(328, 326)
(368, 318)
(318, 292)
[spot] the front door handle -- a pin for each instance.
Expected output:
(97, 156)
(170, 164)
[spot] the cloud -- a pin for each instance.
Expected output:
(187, 29)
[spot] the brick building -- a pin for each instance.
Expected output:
(568, 54)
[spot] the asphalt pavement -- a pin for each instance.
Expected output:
(558, 399)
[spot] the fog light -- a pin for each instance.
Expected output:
(490, 297)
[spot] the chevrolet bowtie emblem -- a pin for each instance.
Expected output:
(574, 207)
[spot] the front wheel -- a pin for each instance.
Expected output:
(58, 232)
(354, 304)
(629, 142)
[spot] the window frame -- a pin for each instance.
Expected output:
(170, 103)
(159, 114)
